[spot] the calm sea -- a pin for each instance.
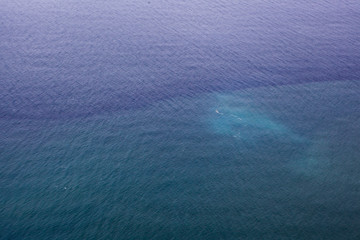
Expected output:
(183, 119)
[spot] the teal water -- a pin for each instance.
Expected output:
(277, 162)
(165, 119)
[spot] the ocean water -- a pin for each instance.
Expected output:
(179, 120)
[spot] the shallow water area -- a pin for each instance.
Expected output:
(179, 119)
(173, 170)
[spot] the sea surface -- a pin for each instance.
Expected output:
(183, 119)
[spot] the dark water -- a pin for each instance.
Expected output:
(179, 120)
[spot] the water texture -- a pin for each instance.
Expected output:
(179, 120)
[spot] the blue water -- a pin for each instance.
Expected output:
(179, 120)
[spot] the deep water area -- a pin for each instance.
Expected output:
(179, 120)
